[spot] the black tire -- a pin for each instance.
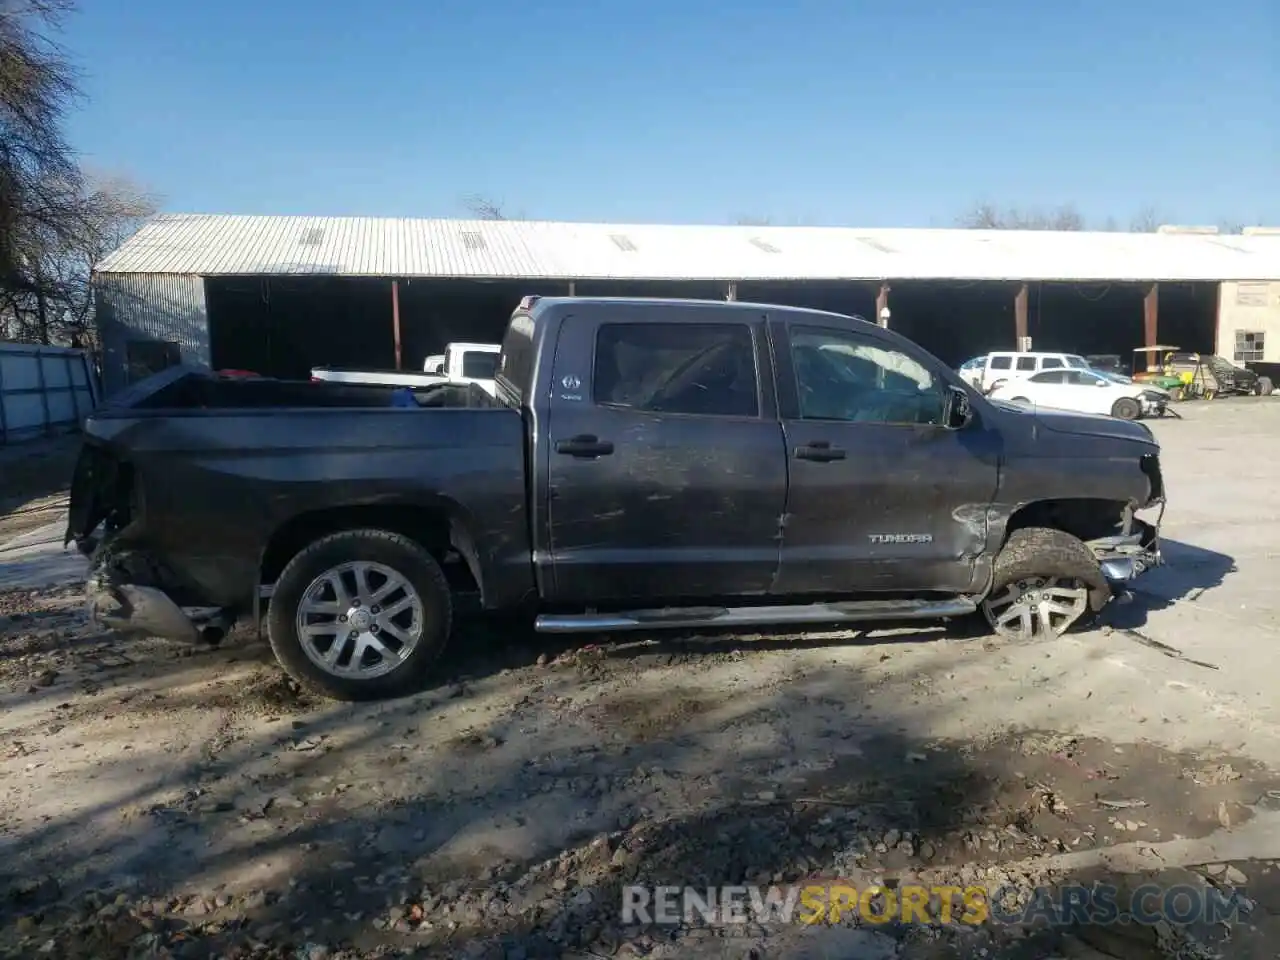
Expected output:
(399, 553)
(1265, 387)
(1126, 408)
(1039, 553)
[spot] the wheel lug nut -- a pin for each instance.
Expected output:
(374, 628)
(343, 618)
(353, 635)
(375, 610)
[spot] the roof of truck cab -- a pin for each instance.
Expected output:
(222, 245)
(666, 304)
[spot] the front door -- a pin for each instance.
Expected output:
(666, 469)
(882, 495)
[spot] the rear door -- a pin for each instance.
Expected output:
(1025, 366)
(882, 495)
(667, 473)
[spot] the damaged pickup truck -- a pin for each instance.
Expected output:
(645, 464)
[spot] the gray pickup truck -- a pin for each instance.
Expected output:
(645, 464)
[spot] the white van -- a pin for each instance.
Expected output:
(1001, 367)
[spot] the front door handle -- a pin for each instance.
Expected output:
(586, 446)
(820, 451)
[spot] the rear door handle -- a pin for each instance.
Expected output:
(821, 451)
(586, 446)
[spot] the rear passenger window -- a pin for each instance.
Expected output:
(1051, 362)
(708, 369)
(1001, 363)
(1026, 363)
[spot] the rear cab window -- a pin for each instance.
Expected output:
(702, 369)
(514, 373)
(1001, 363)
(1026, 363)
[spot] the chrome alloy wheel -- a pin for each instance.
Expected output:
(1036, 607)
(359, 620)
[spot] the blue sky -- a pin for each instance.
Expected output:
(893, 113)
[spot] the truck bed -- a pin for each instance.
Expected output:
(210, 473)
(187, 389)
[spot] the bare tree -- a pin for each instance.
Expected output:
(988, 216)
(1146, 220)
(55, 221)
(36, 163)
(485, 208)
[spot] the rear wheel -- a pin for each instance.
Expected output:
(360, 615)
(1045, 582)
(1265, 387)
(1126, 408)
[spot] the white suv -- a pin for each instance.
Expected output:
(1001, 367)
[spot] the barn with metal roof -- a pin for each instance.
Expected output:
(282, 294)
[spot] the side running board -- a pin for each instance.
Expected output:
(813, 613)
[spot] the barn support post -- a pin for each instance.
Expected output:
(395, 321)
(882, 304)
(1020, 316)
(1151, 316)
(731, 291)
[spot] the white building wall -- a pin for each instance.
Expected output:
(1249, 312)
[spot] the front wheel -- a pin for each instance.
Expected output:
(1126, 408)
(1019, 400)
(1176, 395)
(1265, 387)
(360, 615)
(1045, 582)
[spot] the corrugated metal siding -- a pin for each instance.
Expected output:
(43, 390)
(164, 308)
(213, 245)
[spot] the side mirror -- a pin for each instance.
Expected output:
(959, 413)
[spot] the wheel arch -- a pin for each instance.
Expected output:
(1085, 518)
(439, 525)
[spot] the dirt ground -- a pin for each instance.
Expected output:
(162, 801)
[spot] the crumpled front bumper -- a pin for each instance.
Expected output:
(1131, 553)
(1154, 405)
